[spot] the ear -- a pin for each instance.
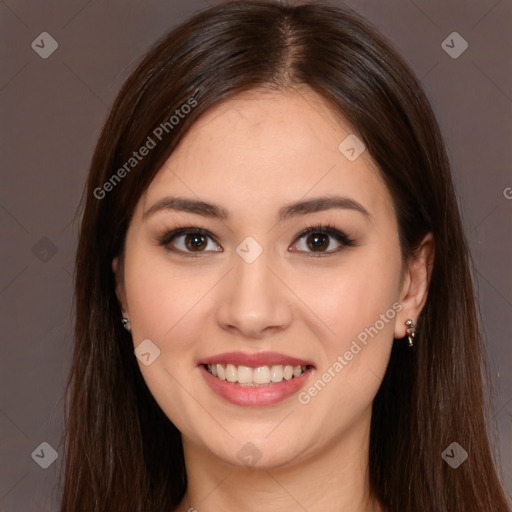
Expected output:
(117, 268)
(414, 290)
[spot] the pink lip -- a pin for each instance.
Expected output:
(254, 395)
(255, 360)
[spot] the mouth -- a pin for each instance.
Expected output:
(256, 377)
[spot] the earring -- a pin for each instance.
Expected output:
(411, 331)
(126, 324)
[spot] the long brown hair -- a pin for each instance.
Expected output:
(121, 452)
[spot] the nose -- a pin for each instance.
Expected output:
(254, 301)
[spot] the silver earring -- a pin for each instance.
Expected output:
(411, 331)
(126, 324)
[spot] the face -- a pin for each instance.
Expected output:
(293, 299)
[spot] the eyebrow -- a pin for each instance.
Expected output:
(316, 204)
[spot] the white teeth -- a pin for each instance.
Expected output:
(231, 373)
(288, 372)
(244, 374)
(276, 373)
(262, 375)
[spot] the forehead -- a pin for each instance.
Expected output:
(284, 125)
(275, 146)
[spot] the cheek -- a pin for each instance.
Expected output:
(160, 299)
(350, 298)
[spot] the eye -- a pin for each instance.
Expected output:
(189, 240)
(319, 240)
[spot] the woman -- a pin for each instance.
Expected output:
(273, 296)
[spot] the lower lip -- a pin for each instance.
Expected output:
(254, 395)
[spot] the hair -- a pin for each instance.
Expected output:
(122, 453)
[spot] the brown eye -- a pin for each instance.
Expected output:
(318, 241)
(322, 240)
(195, 242)
(189, 240)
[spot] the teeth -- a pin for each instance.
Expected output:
(276, 373)
(231, 373)
(244, 374)
(262, 375)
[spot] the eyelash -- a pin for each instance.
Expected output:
(328, 229)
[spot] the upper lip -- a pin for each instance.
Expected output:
(255, 360)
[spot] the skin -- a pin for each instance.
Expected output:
(252, 155)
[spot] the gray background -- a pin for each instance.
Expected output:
(51, 115)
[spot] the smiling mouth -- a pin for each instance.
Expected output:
(255, 377)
